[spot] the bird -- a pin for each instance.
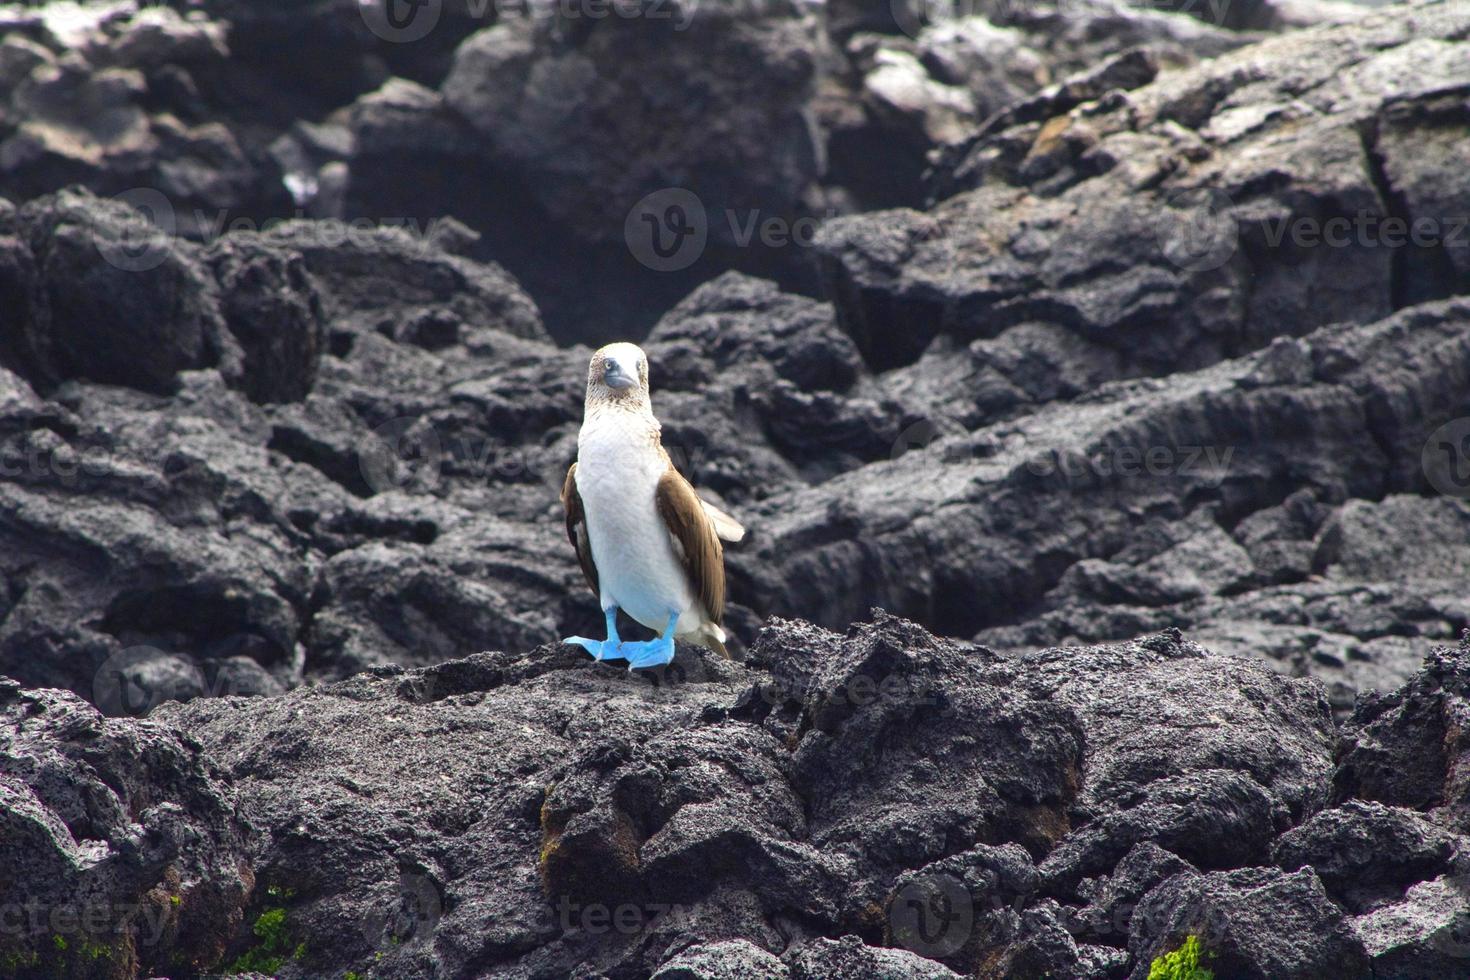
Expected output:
(647, 543)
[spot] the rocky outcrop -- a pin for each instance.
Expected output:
(387, 419)
(1164, 333)
(108, 95)
(209, 566)
(123, 853)
(880, 800)
(938, 531)
(101, 294)
(230, 111)
(587, 171)
(1257, 195)
(595, 117)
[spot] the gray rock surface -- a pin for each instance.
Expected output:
(1253, 923)
(1365, 853)
(123, 853)
(402, 508)
(883, 801)
(593, 112)
(521, 813)
(291, 322)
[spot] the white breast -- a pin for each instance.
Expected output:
(618, 469)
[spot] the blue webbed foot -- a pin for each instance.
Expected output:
(649, 653)
(608, 649)
(600, 649)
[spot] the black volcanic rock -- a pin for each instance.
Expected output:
(531, 813)
(289, 386)
(1203, 180)
(436, 405)
(731, 960)
(372, 277)
(1366, 853)
(1113, 898)
(275, 313)
(111, 299)
(847, 957)
(123, 853)
(1425, 934)
(126, 497)
(738, 348)
(591, 109)
(1239, 790)
(1254, 923)
(118, 97)
(1400, 859)
(525, 813)
(1134, 470)
(1406, 747)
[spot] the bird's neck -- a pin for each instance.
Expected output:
(633, 421)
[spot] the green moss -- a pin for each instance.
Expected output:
(1181, 964)
(274, 947)
(57, 957)
(352, 975)
(271, 926)
(15, 962)
(96, 951)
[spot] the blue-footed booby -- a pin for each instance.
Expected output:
(646, 541)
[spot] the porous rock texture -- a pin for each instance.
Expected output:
(879, 802)
(123, 853)
(294, 325)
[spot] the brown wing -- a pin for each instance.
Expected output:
(577, 529)
(727, 527)
(695, 541)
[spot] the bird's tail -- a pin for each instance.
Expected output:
(714, 638)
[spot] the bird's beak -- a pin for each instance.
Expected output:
(614, 377)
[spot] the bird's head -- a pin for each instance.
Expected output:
(618, 375)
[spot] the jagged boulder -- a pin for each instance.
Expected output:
(108, 95)
(1406, 747)
(190, 484)
(1247, 214)
(123, 853)
(107, 296)
(1254, 923)
(881, 797)
(1366, 853)
(590, 109)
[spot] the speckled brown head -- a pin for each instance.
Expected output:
(618, 375)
